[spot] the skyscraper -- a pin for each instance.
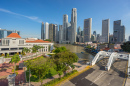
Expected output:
(57, 32)
(87, 29)
(118, 32)
(79, 31)
(94, 33)
(105, 30)
(60, 34)
(68, 34)
(98, 37)
(46, 30)
(73, 25)
(54, 32)
(9, 32)
(51, 32)
(65, 21)
(1, 34)
(42, 31)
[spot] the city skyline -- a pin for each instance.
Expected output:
(12, 18)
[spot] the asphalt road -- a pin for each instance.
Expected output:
(97, 76)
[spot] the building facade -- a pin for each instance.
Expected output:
(87, 29)
(13, 43)
(51, 32)
(73, 25)
(118, 32)
(79, 31)
(46, 30)
(105, 30)
(2, 32)
(42, 31)
(60, 33)
(65, 22)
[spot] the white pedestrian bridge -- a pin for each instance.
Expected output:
(113, 56)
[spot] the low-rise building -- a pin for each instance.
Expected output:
(13, 43)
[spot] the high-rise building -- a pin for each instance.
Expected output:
(46, 30)
(65, 22)
(8, 32)
(118, 32)
(93, 38)
(98, 37)
(57, 32)
(79, 31)
(42, 31)
(1, 34)
(54, 32)
(51, 32)
(129, 38)
(105, 30)
(60, 34)
(82, 33)
(68, 34)
(94, 33)
(87, 29)
(73, 25)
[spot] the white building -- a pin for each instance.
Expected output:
(13, 43)
(87, 29)
(73, 25)
(46, 30)
(65, 21)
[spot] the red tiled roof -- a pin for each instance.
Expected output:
(13, 35)
(37, 41)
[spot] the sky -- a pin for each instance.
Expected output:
(26, 16)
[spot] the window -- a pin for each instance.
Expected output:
(13, 48)
(21, 41)
(4, 48)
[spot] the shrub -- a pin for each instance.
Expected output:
(3, 54)
(58, 80)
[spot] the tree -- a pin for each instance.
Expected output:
(26, 50)
(40, 67)
(47, 40)
(60, 49)
(15, 59)
(89, 46)
(35, 48)
(64, 60)
(126, 46)
(7, 55)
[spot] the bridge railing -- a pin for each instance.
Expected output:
(128, 72)
(111, 60)
(100, 55)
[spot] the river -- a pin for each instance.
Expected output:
(78, 49)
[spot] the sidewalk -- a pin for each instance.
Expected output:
(127, 82)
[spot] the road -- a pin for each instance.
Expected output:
(97, 76)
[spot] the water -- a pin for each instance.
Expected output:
(78, 49)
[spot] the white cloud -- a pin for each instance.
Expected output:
(34, 18)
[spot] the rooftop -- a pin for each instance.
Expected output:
(13, 35)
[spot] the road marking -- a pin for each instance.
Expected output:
(101, 75)
(82, 78)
